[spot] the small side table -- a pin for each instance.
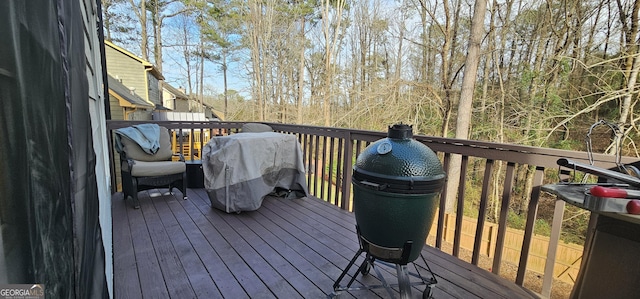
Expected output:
(195, 174)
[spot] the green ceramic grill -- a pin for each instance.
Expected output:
(396, 186)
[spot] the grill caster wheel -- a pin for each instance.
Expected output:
(427, 293)
(365, 268)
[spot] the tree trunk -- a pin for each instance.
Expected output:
(187, 53)
(224, 78)
(330, 45)
(466, 95)
(255, 58)
(424, 51)
(106, 5)
(444, 70)
(140, 10)
(397, 78)
(632, 64)
(144, 36)
(156, 22)
(299, 101)
(488, 58)
(201, 92)
(158, 46)
(500, 137)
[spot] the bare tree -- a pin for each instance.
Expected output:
(160, 10)
(331, 25)
(629, 21)
(466, 95)
(140, 10)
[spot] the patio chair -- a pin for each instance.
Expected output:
(255, 128)
(142, 171)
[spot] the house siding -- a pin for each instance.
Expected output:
(182, 106)
(117, 112)
(130, 71)
(154, 89)
(168, 99)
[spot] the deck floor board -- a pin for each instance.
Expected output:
(253, 252)
(197, 273)
(201, 233)
(126, 280)
(174, 248)
(149, 271)
(164, 236)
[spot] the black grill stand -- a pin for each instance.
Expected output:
(400, 261)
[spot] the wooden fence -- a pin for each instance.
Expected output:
(568, 257)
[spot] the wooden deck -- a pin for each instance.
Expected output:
(174, 248)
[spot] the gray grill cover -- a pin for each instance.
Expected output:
(241, 169)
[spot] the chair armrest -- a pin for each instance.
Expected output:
(129, 162)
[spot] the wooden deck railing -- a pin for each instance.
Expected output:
(329, 154)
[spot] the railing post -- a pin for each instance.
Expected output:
(556, 226)
(346, 171)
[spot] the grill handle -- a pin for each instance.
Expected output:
(600, 171)
(375, 186)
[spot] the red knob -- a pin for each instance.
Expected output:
(633, 207)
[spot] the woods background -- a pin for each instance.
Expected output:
(546, 70)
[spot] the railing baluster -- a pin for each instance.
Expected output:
(181, 140)
(441, 210)
(532, 212)
(504, 211)
(307, 154)
(460, 208)
(482, 213)
(331, 153)
(316, 163)
(323, 173)
(191, 143)
(339, 193)
(358, 147)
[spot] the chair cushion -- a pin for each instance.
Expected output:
(158, 168)
(134, 151)
(255, 128)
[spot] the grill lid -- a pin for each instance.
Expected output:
(399, 164)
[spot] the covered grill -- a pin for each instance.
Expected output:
(396, 185)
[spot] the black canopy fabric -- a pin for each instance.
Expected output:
(50, 232)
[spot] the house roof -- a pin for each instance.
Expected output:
(216, 113)
(161, 108)
(176, 92)
(147, 65)
(126, 97)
